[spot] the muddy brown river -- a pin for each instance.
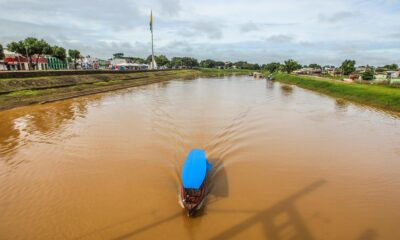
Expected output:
(287, 164)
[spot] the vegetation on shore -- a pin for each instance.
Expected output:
(385, 97)
(26, 91)
(217, 71)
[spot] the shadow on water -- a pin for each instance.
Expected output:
(369, 234)
(219, 187)
(284, 210)
(276, 219)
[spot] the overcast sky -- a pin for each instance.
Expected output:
(322, 31)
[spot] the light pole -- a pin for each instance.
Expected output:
(27, 57)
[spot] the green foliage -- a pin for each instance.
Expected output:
(368, 75)
(348, 66)
(138, 60)
(22, 93)
(291, 65)
(161, 60)
(392, 67)
(74, 54)
(59, 52)
(224, 71)
(208, 63)
(118, 55)
(187, 62)
(1, 52)
(272, 67)
(30, 46)
(176, 62)
(315, 66)
(375, 95)
(246, 65)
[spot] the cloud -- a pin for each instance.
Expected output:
(280, 38)
(170, 7)
(337, 17)
(255, 31)
(249, 27)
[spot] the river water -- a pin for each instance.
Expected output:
(287, 164)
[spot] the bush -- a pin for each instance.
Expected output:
(367, 75)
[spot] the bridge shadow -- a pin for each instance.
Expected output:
(281, 221)
(277, 221)
(369, 234)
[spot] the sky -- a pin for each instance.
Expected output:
(309, 31)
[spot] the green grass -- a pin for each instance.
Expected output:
(108, 82)
(225, 71)
(22, 93)
(374, 95)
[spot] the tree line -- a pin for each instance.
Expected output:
(30, 47)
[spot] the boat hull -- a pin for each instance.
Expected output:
(193, 204)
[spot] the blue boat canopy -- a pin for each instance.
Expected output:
(195, 169)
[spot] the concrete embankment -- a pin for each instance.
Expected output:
(24, 88)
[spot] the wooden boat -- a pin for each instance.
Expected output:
(194, 181)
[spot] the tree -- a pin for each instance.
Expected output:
(161, 60)
(118, 55)
(58, 52)
(138, 60)
(348, 66)
(1, 52)
(272, 67)
(291, 65)
(30, 46)
(314, 66)
(208, 63)
(176, 62)
(190, 62)
(392, 67)
(219, 64)
(74, 54)
(368, 74)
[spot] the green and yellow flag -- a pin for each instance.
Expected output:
(151, 21)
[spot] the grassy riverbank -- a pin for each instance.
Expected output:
(216, 71)
(15, 92)
(385, 97)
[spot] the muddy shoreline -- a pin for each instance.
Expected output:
(26, 91)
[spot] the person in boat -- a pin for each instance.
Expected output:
(194, 180)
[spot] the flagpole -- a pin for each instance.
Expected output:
(152, 50)
(153, 64)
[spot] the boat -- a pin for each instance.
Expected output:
(194, 181)
(257, 75)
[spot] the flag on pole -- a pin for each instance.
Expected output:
(151, 21)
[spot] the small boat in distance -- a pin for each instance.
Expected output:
(194, 181)
(257, 75)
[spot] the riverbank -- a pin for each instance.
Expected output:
(384, 97)
(216, 71)
(16, 92)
